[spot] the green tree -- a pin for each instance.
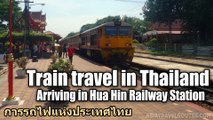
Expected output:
(71, 34)
(139, 26)
(197, 16)
(107, 19)
(86, 27)
(99, 22)
(4, 14)
(163, 11)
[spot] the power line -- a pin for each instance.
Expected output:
(132, 1)
(137, 7)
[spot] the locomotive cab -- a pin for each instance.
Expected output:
(117, 43)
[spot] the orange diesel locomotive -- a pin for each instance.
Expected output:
(110, 42)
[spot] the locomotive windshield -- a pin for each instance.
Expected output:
(110, 31)
(121, 31)
(124, 31)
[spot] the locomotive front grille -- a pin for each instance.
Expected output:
(125, 54)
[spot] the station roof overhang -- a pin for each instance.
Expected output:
(155, 32)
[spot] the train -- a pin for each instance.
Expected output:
(111, 42)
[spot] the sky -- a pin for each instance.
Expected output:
(65, 16)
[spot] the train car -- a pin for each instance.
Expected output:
(74, 40)
(112, 42)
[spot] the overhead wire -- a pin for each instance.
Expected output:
(131, 10)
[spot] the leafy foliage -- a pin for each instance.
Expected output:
(162, 10)
(7, 44)
(61, 66)
(136, 41)
(71, 34)
(86, 27)
(139, 26)
(19, 36)
(152, 43)
(4, 14)
(99, 22)
(197, 16)
(54, 58)
(22, 62)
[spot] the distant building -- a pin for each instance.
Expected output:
(38, 21)
(56, 37)
(163, 28)
(176, 26)
(167, 40)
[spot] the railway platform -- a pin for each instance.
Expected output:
(141, 110)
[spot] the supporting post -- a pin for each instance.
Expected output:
(10, 65)
(10, 100)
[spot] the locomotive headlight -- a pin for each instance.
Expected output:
(109, 45)
(128, 44)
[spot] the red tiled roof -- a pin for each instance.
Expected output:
(176, 26)
(56, 36)
(49, 32)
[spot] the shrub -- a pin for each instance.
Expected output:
(7, 44)
(61, 66)
(19, 36)
(152, 43)
(54, 58)
(136, 41)
(22, 62)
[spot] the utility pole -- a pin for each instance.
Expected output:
(26, 18)
(27, 23)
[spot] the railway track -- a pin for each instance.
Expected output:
(209, 96)
(176, 61)
(136, 67)
(176, 56)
